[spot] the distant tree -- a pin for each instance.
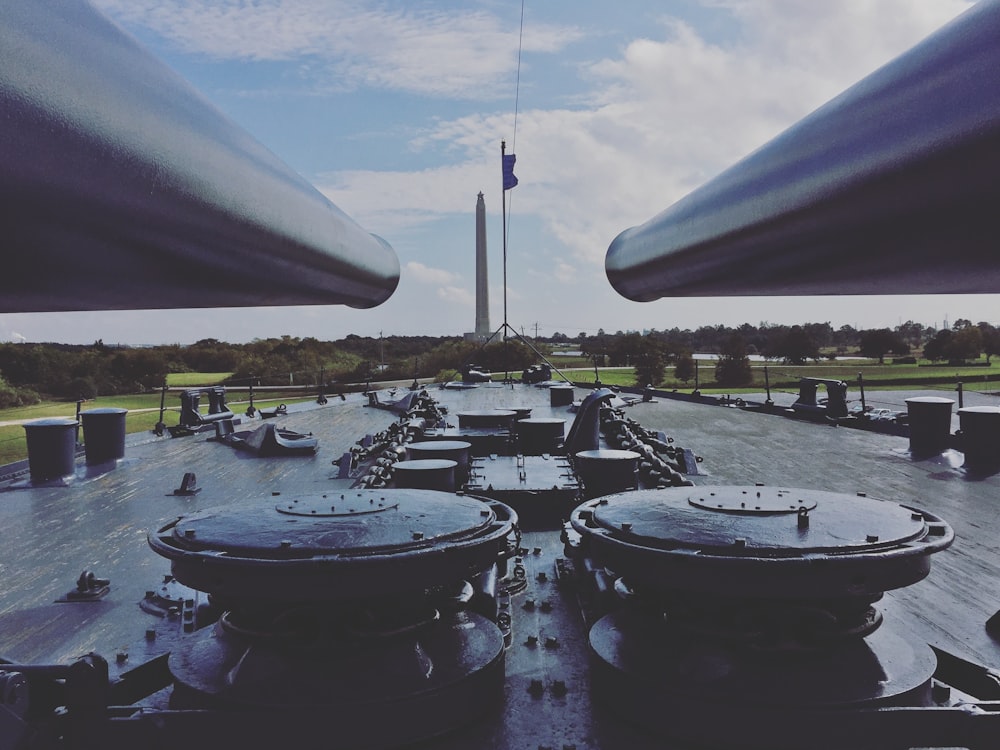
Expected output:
(135, 370)
(684, 369)
(846, 336)
(878, 342)
(966, 343)
(733, 365)
(912, 333)
(820, 333)
(10, 396)
(939, 347)
(649, 362)
(991, 340)
(796, 346)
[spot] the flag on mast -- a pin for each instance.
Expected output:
(509, 180)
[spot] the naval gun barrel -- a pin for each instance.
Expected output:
(123, 188)
(890, 188)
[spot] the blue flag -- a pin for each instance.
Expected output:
(509, 180)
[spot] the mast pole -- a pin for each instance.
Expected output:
(503, 192)
(503, 204)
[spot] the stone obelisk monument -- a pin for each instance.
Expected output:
(483, 330)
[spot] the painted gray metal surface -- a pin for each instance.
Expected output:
(123, 188)
(890, 188)
(100, 524)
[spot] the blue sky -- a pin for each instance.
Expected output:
(395, 110)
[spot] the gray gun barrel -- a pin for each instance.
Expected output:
(893, 187)
(123, 188)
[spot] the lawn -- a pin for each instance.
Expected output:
(780, 375)
(195, 379)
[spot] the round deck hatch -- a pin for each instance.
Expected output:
(773, 541)
(336, 544)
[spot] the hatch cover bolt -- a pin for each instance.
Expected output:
(150, 634)
(559, 687)
(917, 516)
(529, 604)
(871, 538)
(285, 544)
(536, 688)
(531, 641)
(121, 657)
(536, 551)
(546, 606)
(551, 642)
(803, 514)
(626, 526)
(189, 533)
(542, 576)
(418, 535)
(740, 543)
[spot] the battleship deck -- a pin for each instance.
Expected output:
(100, 524)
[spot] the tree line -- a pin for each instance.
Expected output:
(29, 372)
(652, 351)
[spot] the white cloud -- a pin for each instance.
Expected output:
(456, 294)
(427, 275)
(342, 44)
(664, 116)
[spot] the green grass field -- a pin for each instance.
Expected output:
(786, 376)
(195, 379)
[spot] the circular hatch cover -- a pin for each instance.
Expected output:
(761, 540)
(336, 544)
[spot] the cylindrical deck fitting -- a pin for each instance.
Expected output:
(561, 395)
(930, 423)
(980, 426)
(103, 434)
(425, 474)
(607, 471)
(451, 450)
(51, 448)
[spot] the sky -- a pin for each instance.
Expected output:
(615, 110)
